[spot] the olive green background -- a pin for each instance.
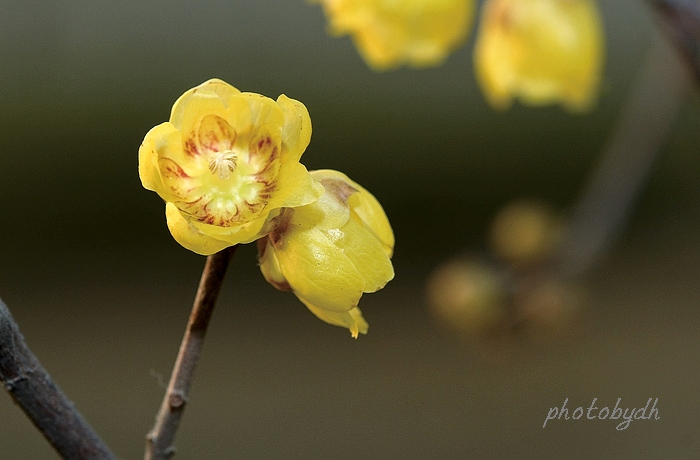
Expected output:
(102, 292)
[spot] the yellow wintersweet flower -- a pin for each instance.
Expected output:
(226, 163)
(540, 50)
(389, 33)
(331, 251)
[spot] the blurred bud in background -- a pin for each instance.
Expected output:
(516, 297)
(468, 295)
(525, 232)
(541, 51)
(548, 309)
(392, 33)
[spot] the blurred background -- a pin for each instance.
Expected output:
(102, 292)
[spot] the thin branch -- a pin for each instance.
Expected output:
(626, 160)
(160, 440)
(47, 407)
(680, 20)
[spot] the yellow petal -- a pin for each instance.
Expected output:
(189, 236)
(265, 111)
(318, 271)
(352, 319)
(295, 187)
(389, 34)
(222, 89)
(270, 266)
(239, 113)
(296, 133)
(541, 51)
(366, 253)
(327, 212)
(365, 206)
(199, 101)
(149, 172)
(171, 146)
(240, 234)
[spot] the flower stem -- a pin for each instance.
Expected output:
(39, 397)
(160, 440)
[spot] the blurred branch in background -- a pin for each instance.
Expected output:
(646, 120)
(680, 20)
(626, 160)
(47, 407)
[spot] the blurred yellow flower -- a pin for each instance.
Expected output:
(540, 50)
(226, 163)
(389, 33)
(332, 251)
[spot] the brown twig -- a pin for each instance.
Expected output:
(680, 20)
(625, 161)
(45, 404)
(160, 440)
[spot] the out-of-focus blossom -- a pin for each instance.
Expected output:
(390, 33)
(541, 51)
(469, 296)
(226, 163)
(526, 232)
(550, 309)
(331, 251)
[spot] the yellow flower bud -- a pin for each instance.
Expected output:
(540, 50)
(331, 251)
(389, 33)
(226, 163)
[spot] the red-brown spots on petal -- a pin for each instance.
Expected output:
(281, 223)
(338, 189)
(262, 244)
(190, 147)
(215, 134)
(263, 154)
(264, 180)
(192, 208)
(264, 143)
(175, 178)
(271, 163)
(171, 170)
(255, 208)
(280, 285)
(219, 217)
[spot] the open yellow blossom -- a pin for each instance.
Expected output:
(332, 251)
(226, 163)
(540, 50)
(389, 33)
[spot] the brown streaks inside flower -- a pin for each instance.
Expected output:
(226, 163)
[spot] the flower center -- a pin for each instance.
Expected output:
(223, 164)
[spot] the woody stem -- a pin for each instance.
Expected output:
(160, 440)
(34, 391)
